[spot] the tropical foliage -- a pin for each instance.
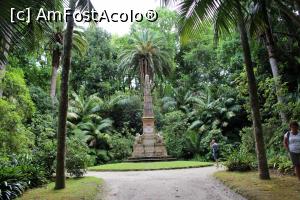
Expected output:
(221, 69)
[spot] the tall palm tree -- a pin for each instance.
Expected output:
(260, 25)
(63, 105)
(147, 54)
(55, 36)
(225, 15)
(256, 117)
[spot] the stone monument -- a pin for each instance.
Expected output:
(149, 145)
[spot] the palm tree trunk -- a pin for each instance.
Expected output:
(3, 63)
(63, 106)
(2, 74)
(140, 68)
(271, 48)
(257, 125)
(142, 72)
(55, 65)
(276, 76)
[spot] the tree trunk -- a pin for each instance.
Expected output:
(2, 74)
(141, 70)
(254, 103)
(63, 106)
(6, 47)
(55, 65)
(271, 47)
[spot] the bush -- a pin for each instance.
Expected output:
(101, 156)
(22, 168)
(240, 161)
(282, 163)
(17, 173)
(120, 147)
(41, 99)
(44, 156)
(175, 126)
(14, 87)
(12, 190)
(44, 152)
(14, 136)
(174, 144)
(247, 139)
(77, 159)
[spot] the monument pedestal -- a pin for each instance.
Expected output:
(150, 145)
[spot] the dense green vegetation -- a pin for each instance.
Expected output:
(208, 83)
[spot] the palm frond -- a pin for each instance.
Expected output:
(197, 14)
(21, 33)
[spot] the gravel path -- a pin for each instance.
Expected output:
(187, 184)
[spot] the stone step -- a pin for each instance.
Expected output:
(150, 159)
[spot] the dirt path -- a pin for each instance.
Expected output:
(181, 184)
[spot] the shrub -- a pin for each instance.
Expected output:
(17, 173)
(174, 144)
(12, 190)
(282, 163)
(24, 168)
(77, 159)
(247, 140)
(102, 156)
(14, 87)
(240, 161)
(14, 136)
(41, 99)
(120, 147)
(175, 126)
(44, 156)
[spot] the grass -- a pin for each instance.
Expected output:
(87, 188)
(251, 187)
(141, 166)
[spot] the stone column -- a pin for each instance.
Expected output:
(149, 144)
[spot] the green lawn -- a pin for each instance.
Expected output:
(140, 166)
(88, 188)
(250, 186)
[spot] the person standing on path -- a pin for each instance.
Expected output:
(215, 150)
(292, 144)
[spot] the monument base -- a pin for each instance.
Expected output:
(149, 147)
(150, 159)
